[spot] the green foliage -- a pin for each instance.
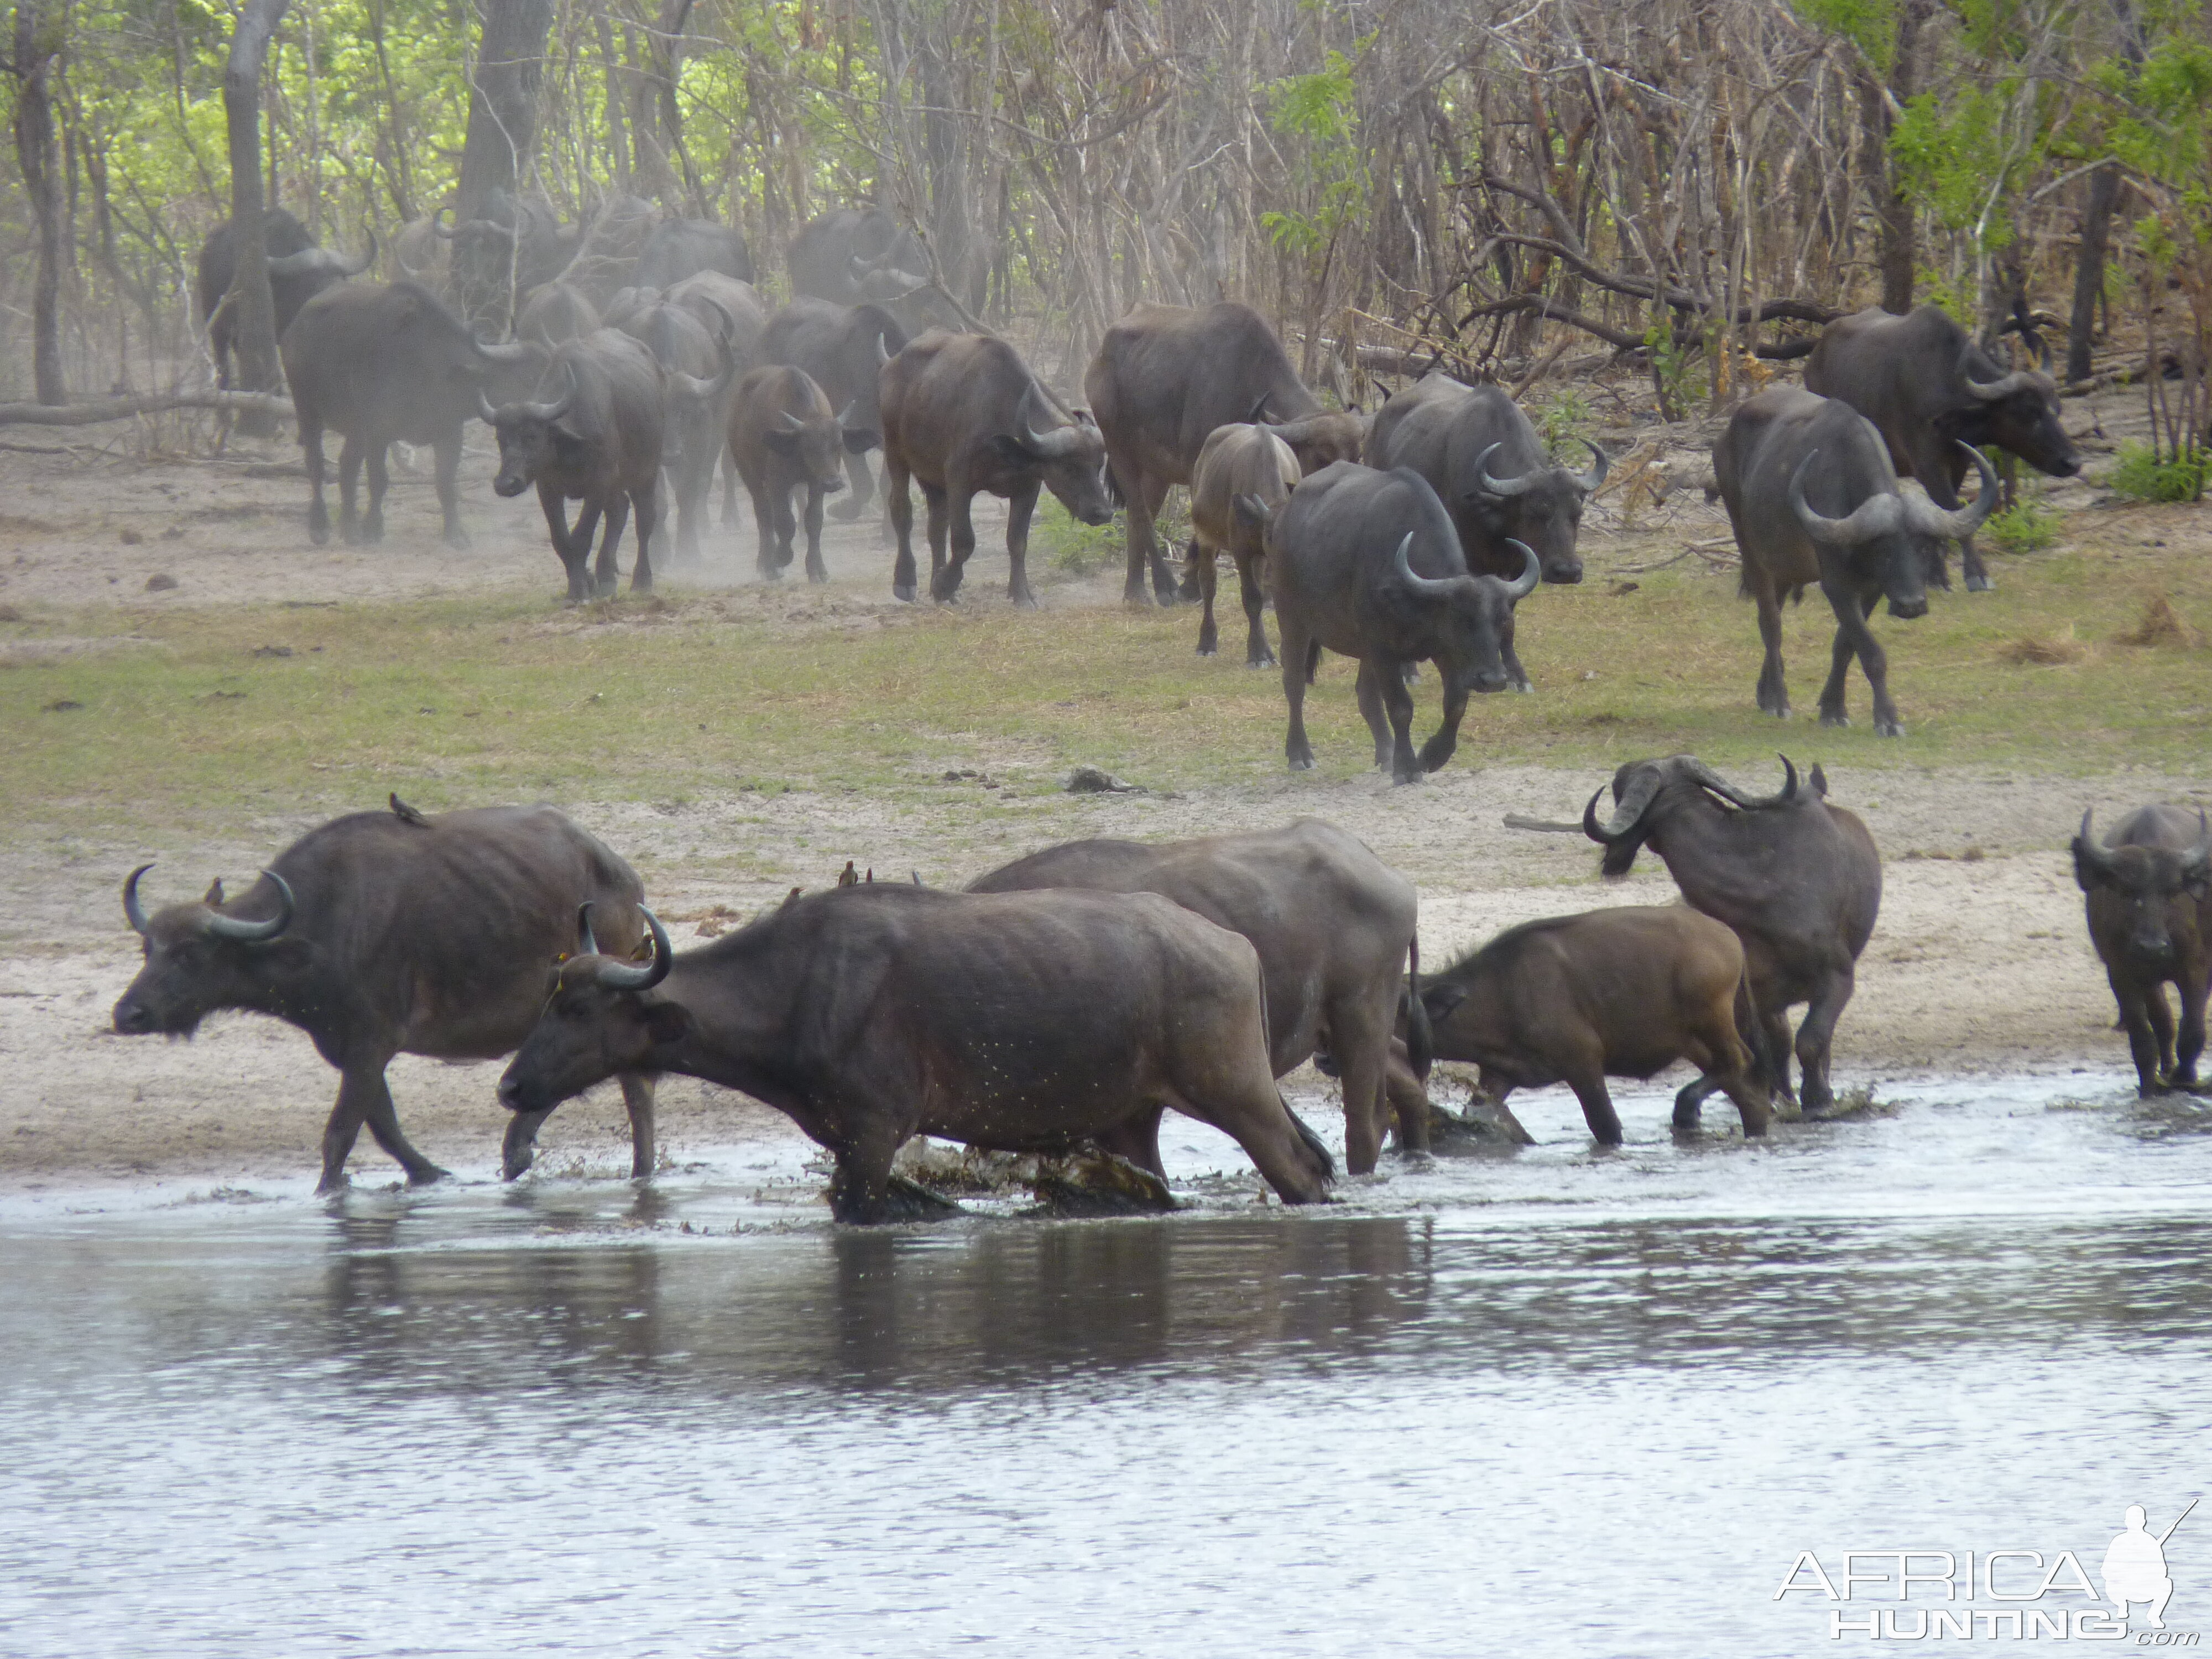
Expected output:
(1562, 418)
(1322, 110)
(1870, 25)
(1670, 365)
(1955, 299)
(2026, 526)
(2141, 476)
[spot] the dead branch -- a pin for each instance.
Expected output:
(123, 408)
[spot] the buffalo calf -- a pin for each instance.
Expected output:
(783, 436)
(1239, 461)
(2150, 887)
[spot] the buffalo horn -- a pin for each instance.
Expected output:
(559, 406)
(1930, 520)
(1259, 415)
(1061, 440)
(1990, 390)
(790, 422)
(1720, 785)
(1532, 572)
(1631, 812)
(1502, 487)
(1877, 515)
(728, 331)
(1426, 586)
(354, 267)
(693, 387)
(133, 912)
(2090, 852)
(490, 415)
(585, 944)
(621, 976)
(845, 415)
(438, 225)
(514, 351)
(299, 264)
(2197, 862)
(255, 933)
(883, 350)
(1589, 483)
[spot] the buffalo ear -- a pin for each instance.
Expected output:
(1440, 997)
(1012, 450)
(2085, 873)
(667, 1023)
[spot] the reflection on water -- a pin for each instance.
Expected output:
(1565, 1404)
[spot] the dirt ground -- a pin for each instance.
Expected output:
(1979, 964)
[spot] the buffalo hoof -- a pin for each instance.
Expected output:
(1302, 764)
(1525, 687)
(770, 573)
(458, 539)
(318, 531)
(1887, 729)
(903, 1200)
(817, 573)
(1979, 584)
(1839, 720)
(1208, 650)
(1023, 600)
(1187, 591)
(1138, 599)
(1098, 1184)
(372, 532)
(1267, 661)
(429, 1175)
(904, 593)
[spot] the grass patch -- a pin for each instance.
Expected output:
(2141, 476)
(499, 696)
(2162, 625)
(2052, 649)
(2026, 526)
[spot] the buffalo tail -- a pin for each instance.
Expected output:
(1421, 1039)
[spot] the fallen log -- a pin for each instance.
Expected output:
(123, 408)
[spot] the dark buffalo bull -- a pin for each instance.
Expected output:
(380, 365)
(868, 1014)
(684, 247)
(1165, 378)
(597, 440)
(783, 436)
(1625, 993)
(699, 373)
(555, 312)
(1488, 467)
(1335, 928)
(392, 933)
(1812, 500)
(734, 311)
(2149, 884)
(852, 256)
(962, 413)
(514, 245)
(843, 349)
(1250, 465)
(1366, 564)
(1929, 389)
(1798, 880)
(298, 271)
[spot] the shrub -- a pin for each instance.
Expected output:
(1562, 419)
(2141, 476)
(2026, 526)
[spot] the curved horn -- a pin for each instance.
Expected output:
(1259, 415)
(791, 422)
(2197, 862)
(621, 976)
(2090, 853)
(1061, 440)
(1630, 812)
(133, 912)
(585, 944)
(484, 411)
(255, 933)
(1990, 390)
(354, 267)
(1591, 482)
(845, 415)
(514, 351)
(559, 406)
(883, 350)
(1930, 520)
(1720, 785)
(1426, 586)
(1877, 515)
(1532, 572)
(1502, 487)
(299, 264)
(438, 227)
(697, 390)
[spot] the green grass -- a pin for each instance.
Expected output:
(504, 697)
(2139, 476)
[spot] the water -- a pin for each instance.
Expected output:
(1570, 1403)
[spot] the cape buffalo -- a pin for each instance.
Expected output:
(1165, 377)
(2150, 887)
(298, 271)
(597, 440)
(394, 933)
(1237, 460)
(1335, 928)
(700, 371)
(963, 413)
(1841, 523)
(844, 349)
(555, 312)
(734, 311)
(379, 364)
(783, 436)
(1366, 564)
(514, 245)
(836, 253)
(1024, 1022)
(1930, 390)
(607, 246)
(1486, 465)
(683, 247)
(421, 252)
(1622, 993)
(1798, 880)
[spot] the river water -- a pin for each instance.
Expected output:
(1566, 1403)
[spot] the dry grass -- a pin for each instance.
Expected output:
(2049, 650)
(2162, 624)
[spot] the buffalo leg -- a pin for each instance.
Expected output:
(2161, 1025)
(729, 493)
(1816, 1034)
(860, 1187)
(363, 1097)
(1201, 579)
(1726, 1062)
(1359, 1036)
(863, 480)
(447, 452)
(1138, 1139)
(1774, 691)
(1020, 508)
(944, 584)
(1855, 638)
(1141, 501)
(572, 547)
(940, 526)
(2193, 986)
(1254, 593)
(898, 502)
(1390, 681)
(1369, 690)
(348, 489)
(637, 1097)
(786, 524)
(764, 560)
(379, 480)
(1187, 588)
(2143, 1045)
(1514, 671)
(318, 514)
(609, 570)
(1587, 1079)
(1296, 749)
(816, 571)
(1243, 1104)
(1445, 739)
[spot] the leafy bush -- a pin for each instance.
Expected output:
(1561, 420)
(2026, 526)
(2141, 476)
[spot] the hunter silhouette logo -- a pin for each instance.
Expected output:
(2134, 1567)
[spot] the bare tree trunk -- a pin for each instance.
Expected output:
(2096, 227)
(254, 314)
(37, 47)
(1898, 258)
(503, 100)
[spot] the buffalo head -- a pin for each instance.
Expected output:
(1473, 615)
(320, 263)
(1645, 791)
(198, 960)
(2019, 411)
(814, 447)
(1070, 459)
(2157, 889)
(531, 436)
(596, 1022)
(1542, 508)
(1898, 536)
(1317, 440)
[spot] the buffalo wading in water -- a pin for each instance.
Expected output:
(842, 349)
(2150, 887)
(1930, 390)
(1335, 928)
(1238, 461)
(1798, 880)
(597, 440)
(783, 436)
(1619, 993)
(298, 271)
(381, 364)
(1365, 563)
(962, 413)
(868, 1014)
(382, 933)
(1486, 465)
(1165, 378)
(1812, 501)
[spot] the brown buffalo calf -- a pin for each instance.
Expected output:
(1239, 460)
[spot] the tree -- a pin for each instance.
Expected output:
(503, 101)
(38, 44)
(253, 313)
